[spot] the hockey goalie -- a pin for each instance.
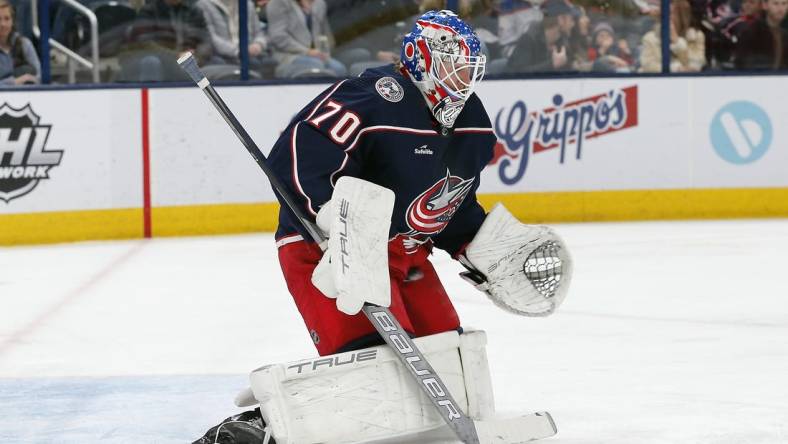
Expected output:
(387, 164)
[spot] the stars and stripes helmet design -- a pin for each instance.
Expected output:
(441, 55)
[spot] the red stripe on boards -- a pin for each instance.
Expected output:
(146, 216)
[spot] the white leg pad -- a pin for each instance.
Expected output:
(367, 395)
(476, 373)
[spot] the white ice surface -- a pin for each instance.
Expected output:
(673, 332)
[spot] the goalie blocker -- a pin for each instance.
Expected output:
(367, 396)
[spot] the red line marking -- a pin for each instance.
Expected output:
(17, 337)
(146, 213)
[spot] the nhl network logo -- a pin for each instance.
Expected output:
(24, 160)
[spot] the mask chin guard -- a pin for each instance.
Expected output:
(446, 112)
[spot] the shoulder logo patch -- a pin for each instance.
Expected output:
(389, 89)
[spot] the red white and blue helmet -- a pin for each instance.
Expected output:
(441, 55)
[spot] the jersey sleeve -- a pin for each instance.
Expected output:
(463, 225)
(317, 162)
(317, 148)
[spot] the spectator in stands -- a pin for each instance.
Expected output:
(727, 34)
(763, 45)
(579, 41)
(19, 63)
(565, 12)
(222, 19)
(543, 48)
(709, 16)
(750, 11)
(630, 18)
(607, 54)
(717, 11)
(515, 17)
(163, 31)
(22, 17)
(301, 38)
(624, 9)
(687, 44)
(259, 6)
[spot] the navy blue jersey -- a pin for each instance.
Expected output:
(377, 127)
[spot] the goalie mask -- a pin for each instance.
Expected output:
(441, 57)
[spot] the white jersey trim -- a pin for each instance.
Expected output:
(474, 130)
(289, 240)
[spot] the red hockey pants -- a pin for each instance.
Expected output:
(421, 306)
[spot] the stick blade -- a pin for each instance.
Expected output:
(520, 429)
(516, 430)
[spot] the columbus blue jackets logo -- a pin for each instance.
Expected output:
(389, 89)
(24, 160)
(433, 209)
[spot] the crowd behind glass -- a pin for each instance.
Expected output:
(140, 40)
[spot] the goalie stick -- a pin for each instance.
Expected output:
(380, 317)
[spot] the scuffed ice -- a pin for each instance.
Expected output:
(673, 332)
